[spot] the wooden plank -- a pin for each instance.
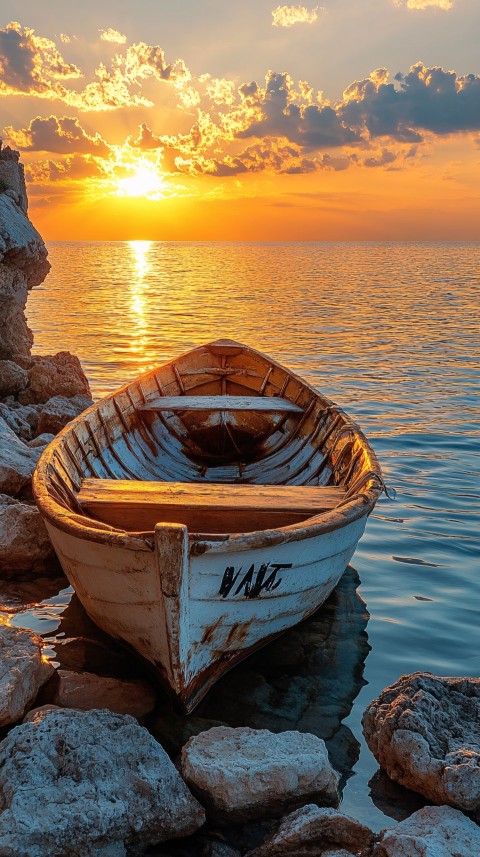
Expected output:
(221, 403)
(203, 507)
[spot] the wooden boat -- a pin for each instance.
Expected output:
(205, 508)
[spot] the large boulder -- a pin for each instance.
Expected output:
(313, 831)
(424, 732)
(59, 410)
(17, 461)
(434, 831)
(87, 690)
(247, 773)
(24, 541)
(94, 784)
(23, 671)
(54, 375)
(13, 378)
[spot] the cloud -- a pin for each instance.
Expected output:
(424, 100)
(287, 16)
(113, 36)
(62, 135)
(31, 64)
(76, 168)
(426, 4)
(310, 126)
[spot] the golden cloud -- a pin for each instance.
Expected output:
(31, 64)
(446, 5)
(62, 135)
(113, 36)
(287, 16)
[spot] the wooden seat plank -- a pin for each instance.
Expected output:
(221, 403)
(203, 507)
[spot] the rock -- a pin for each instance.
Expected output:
(316, 831)
(37, 714)
(85, 691)
(12, 176)
(54, 375)
(21, 246)
(17, 461)
(434, 831)
(22, 419)
(247, 773)
(424, 732)
(42, 440)
(93, 784)
(23, 671)
(13, 378)
(24, 541)
(59, 410)
(15, 335)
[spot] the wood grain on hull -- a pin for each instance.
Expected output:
(193, 603)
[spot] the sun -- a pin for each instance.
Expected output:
(144, 180)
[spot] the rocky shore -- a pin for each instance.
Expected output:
(38, 395)
(93, 762)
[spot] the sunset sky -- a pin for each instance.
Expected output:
(245, 121)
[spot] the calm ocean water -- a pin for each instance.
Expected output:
(391, 333)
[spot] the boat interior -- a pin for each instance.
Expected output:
(223, 439)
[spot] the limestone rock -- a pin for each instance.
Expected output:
(54, 375)
(24, 541)
(13, 378)
(21, 246)
(12, 176)
(22, 672)
(313, 831)
(434, 831)
(93, 784)
(17, 461)
(15, 335)
(22, 419)
(247, 773)
(59, 410)
(87, 690)
(424, 732)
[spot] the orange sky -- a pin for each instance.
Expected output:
(261, 129)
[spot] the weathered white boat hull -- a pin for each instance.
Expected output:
(195, 601)
(193, 617)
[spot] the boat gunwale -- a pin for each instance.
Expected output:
(90, 530)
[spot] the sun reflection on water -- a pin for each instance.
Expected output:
(139, 290)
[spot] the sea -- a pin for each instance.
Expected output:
(389, 331)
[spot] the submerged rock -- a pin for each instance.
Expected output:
(246, 773)
(54, 375)
(23, 671)
(434, 831)
(86, 691)
(424, 732)
(314, 832)
(24, 541)
(94, 784)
